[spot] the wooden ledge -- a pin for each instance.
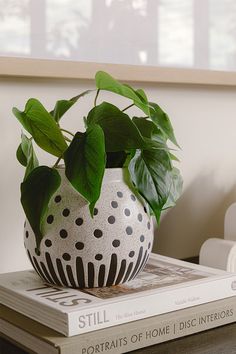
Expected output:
(63, 69)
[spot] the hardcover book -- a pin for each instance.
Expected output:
(165, 285)
(36, 338)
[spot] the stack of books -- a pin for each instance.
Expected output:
(168, 300)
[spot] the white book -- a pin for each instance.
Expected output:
(165, 285)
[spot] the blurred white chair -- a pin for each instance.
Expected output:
(221, 253)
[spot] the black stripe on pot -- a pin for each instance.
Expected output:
(70, 276)
(145, 262)
(137, 263)
(121, 271)
(128, 272)
(51, 269)
(112, 270)
(31, 260)
(39, 269)
(101, 275)
(80, 272)
(90, 275)
(61, 272)
(47, 275)
(141, 264)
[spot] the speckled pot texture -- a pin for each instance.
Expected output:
(80, 251)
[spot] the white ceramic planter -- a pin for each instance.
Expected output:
(80, 251)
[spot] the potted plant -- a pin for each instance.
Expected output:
(88, 217)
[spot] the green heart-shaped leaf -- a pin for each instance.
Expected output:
(62, 106)
(152, 135)
(106, 82)
(85, 163)
(149, 130)
(26, 155)
(119, 130)
(21, 156)
(162, 121)
(150, 170)
(36, 192)
(145, 126)
(43, 128)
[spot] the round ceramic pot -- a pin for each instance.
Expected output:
(80, 251)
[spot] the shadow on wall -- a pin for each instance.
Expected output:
(84, 31)
(198, 215)
(111, 18)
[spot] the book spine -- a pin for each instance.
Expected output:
(158, 329)
(151, 304)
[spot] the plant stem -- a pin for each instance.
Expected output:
(57, 162)
(95, 100)
(67, 139)
(67, 131)
(85, 122)
(131, 105)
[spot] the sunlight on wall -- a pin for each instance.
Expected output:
(14, 27)
(66, 21)
(223, 34)
(175, 25)
(182, 33)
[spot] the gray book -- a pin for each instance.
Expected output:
(37, 338)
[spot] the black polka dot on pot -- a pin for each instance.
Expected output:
(119, 194)
(63, 233)
(111, 219)
(50, 219)
(66, 256)
(79, 245)
(95, 212)
(116, 243)
(114, 204)
(140, 217)
(66, 212)
(148, 225)
(48, 243)
(129, 230)
(149, 245)
(131, 254)
(98, 257)
(133, 197)
(98, 233)
(27, 234)
(127, 212)
(142, 238)
(79, 221)
(57, 199)
(25, 224)
(145, 210)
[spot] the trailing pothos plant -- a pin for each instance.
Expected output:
(112, 139)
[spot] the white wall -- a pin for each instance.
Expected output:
(205, 125)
